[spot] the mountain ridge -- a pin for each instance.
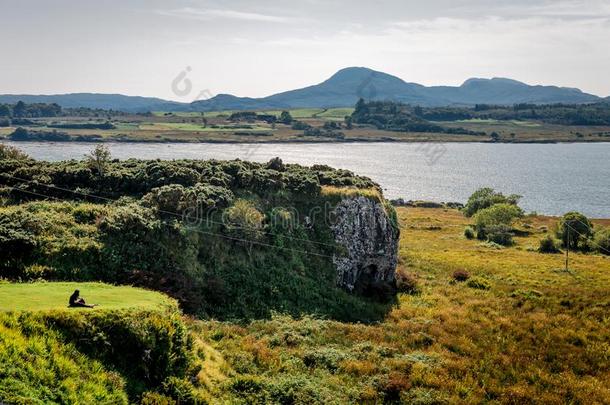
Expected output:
(342, 89)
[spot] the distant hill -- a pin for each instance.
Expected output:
(93, 100)
(342, 89)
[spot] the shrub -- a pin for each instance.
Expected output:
(488, 220)
(478, 283)
(601, 241)
(10, 152)
(181, 390)
(500, 234)
(461, 275)
(469, 232)
(574, 227)
(276, 164)
(406, 282)
(154, 398)
(548, 245)
(485, 198)
(244, 219)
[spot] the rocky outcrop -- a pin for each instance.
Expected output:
(369, 245)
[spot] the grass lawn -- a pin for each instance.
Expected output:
(54, 295)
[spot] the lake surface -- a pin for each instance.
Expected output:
(552, 178)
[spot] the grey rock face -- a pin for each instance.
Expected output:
(370, 244)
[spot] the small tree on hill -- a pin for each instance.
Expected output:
(574, 228)
(99, 158)
(486, 197)
(286, 118)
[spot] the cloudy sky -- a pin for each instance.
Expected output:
(247, 48)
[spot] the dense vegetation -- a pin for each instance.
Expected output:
(230, 239)
(486, 325)
(38, 110)
(474, 322)
(393, 116)
(398, 116)
(494, 216)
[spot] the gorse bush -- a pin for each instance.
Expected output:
(245, 220)
(548, 245)
(469, 233)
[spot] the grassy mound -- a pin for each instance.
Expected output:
(45, 296)
(135, 341)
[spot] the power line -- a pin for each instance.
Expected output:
(199, 230)
(159, 210)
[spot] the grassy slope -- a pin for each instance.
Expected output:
(537, 335)
(52, 296)
(50, 353)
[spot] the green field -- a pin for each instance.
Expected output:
(42, 296)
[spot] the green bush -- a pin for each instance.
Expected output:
(469, 233)
(496, 221)
(245, 220)
(478, 283)
(500, 234)
(576, 228)
(548, 245)
(485, 198)
(601, 241)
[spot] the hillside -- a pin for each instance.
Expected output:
(133, 345)
(343, 89)
(231, 239)
(116, 102)
(519, 330)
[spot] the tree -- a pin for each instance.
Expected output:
(99, 158)
(5, 110)
(486, 197)
(286, 118)
(19, 109)
(575, 228)
(348, 122)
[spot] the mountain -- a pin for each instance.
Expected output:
(93, 100)
(342, 89)
(346, 86)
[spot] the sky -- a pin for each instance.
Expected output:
(193, 49)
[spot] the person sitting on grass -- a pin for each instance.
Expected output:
(77, 301)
